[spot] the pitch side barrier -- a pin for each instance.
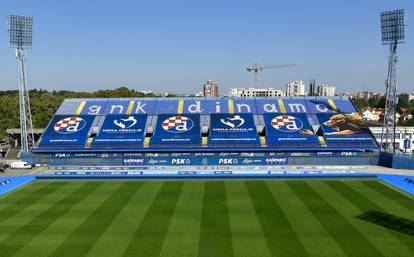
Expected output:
(154, 159)
(206, 124)
(397, 160)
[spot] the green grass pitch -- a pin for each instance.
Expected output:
(207, 219)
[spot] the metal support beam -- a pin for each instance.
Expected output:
(392, 33)
(20, 32)
(26, 125)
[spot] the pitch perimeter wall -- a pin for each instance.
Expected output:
(205, 158)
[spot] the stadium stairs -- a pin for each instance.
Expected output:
(12, 154)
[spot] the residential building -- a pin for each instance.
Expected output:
(364, 95)
(312, 88)
(372, 114)
(210, 88)
(295, 88)
(255, 92)
(326, 90)
(405, 98)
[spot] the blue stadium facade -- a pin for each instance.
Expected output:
(206, 131)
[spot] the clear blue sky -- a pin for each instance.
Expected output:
(176, 45)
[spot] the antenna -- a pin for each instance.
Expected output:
(20, 32)
(392, 34)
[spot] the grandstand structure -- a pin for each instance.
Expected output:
(206, 131)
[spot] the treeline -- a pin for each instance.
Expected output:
(45, 103)
(373, 103)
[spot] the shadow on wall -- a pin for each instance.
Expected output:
(389, 221)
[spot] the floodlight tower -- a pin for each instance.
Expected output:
(392, 34)
(20, 32)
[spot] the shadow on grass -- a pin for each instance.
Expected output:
(389, 221)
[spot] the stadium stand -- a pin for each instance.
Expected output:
(206, 125)
(209, 123)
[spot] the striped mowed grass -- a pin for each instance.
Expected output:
(207, 219)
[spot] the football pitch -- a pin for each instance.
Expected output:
(207, 219)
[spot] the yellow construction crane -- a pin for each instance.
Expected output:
(256, 68)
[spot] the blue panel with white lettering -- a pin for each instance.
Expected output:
(177, 129)
(295, 105)
(322, 105)
(193, 105)
(289, 128)
(232, 129)
(121, 130)
(267, 105)
(237, 125)
(167, 105)
(144, 106)
(216, 105)
(319, 106)
(93, 107)
(244, 105)
(116, 107)
(67, 131)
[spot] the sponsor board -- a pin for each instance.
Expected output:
(133, 161)
(232, 124)
(69, 125)
(177, 129)
(76, 155)
(67, 130)
(121, 130)
(277, 160)
(289, 128)
(232, 129)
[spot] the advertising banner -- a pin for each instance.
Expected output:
(232, 129)
(177, 129)
(121, 130)
(210, 160)
(346, 128)
(289, 128)
(67, 130)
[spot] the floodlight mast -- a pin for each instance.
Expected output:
(392, 34)
(20, 32)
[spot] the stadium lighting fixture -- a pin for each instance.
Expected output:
(392, 27)
(20, 32)
(392, 34)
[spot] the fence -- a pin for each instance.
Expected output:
(397, 160)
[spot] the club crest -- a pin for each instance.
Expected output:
(69, 125)
(177, 124)
(287, 123)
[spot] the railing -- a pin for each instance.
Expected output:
(4, 147)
